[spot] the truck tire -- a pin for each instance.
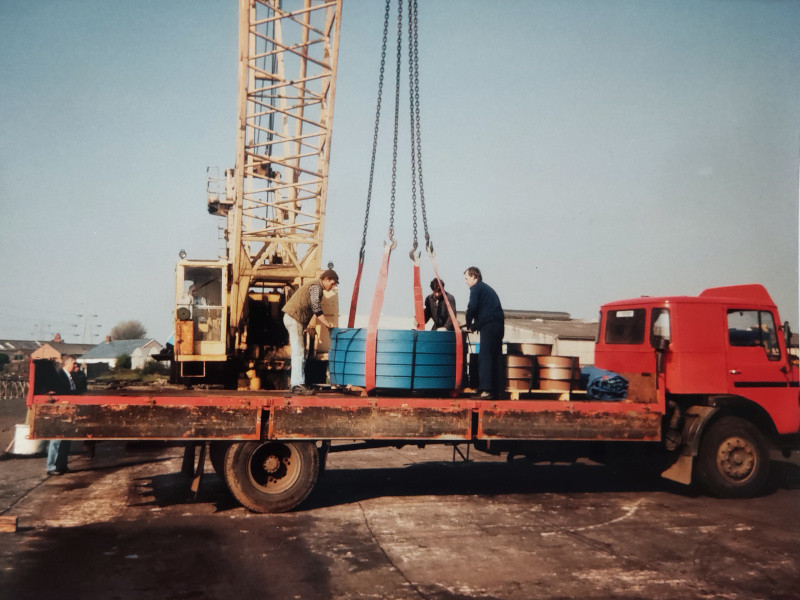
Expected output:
(733, 460)
(270, 476)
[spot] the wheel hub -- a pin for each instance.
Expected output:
(273, 467)
(272, 463)
(736, 458)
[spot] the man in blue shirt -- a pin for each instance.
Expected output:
(485, 315)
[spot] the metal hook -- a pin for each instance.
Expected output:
(393, 245)
(411, 254)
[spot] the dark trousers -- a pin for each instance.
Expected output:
(490, 358)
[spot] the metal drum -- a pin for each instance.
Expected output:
(529, 349)
(558, 373)
(519, 372)
(404, 359)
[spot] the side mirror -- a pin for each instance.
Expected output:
(787, 334)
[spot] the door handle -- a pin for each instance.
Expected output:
(735, 372)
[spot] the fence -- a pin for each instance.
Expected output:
(13, 388)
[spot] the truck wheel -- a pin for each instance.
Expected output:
(216, 453)
(270, 476)
(733, 461)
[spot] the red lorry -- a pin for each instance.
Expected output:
(711, 387)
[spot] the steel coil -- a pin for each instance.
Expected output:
(404, 359)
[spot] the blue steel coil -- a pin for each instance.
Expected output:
(404, 359)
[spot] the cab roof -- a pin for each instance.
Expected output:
(753, 293)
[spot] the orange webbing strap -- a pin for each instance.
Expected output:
(354, 300)
(374, 317)
(419, 308)
(456, 325)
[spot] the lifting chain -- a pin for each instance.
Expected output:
(416, 137)
(377, 126)
(416, 130)
(396, 115)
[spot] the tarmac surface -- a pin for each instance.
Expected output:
(389, 524)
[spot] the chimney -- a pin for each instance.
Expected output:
(57, 338)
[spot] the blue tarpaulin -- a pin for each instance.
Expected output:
(604, 385)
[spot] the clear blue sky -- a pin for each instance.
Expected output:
(577, 152)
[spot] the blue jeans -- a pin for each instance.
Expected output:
(57, 455)
(296, 341)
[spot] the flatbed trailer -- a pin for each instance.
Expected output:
(270, 447)
(710, 384)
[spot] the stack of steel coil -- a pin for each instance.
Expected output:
(558, 373)
(521, 367)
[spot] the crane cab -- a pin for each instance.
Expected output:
(201, 314)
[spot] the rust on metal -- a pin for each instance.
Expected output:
(137, 421)
(370, 422)
(563, 424)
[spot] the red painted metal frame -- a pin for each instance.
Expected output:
(255, 400)
(258, 399)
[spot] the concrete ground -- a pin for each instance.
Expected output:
(391, 524)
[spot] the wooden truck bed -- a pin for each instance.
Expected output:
(243, 415)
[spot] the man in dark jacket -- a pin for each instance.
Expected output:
(71, 380)
(436, 309)
(485, 315)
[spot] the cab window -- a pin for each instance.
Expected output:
(754, 328)
(625, 326)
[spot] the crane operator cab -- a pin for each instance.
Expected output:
(200, 315)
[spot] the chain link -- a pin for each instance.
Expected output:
(415, 125)
(396, 112)
(414, 44)
(377, 126)
(411, 35)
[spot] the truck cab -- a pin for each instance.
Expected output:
(718, 366)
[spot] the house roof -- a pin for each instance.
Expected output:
(25, 345)
(116, 348)
(562, 330)
(67, 348)
(550, 323)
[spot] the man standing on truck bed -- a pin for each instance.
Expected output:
(485, 315)
(305, 303)
(436, 309)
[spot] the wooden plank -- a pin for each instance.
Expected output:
(8, 524)
(137, 421)
(569, 425)
(369, 423)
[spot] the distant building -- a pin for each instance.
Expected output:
(569, 337)
(17, 350)
(57, 350)
(104, 356)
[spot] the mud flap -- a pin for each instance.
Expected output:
(681, 470)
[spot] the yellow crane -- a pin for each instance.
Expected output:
(227, 317)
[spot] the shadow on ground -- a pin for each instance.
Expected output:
(203, 559)
(438, 478)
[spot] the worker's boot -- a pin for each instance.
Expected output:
(301, 390)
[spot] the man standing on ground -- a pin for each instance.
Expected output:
(485, 315)
(305, 303)
(436, 309)
(70, 381)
